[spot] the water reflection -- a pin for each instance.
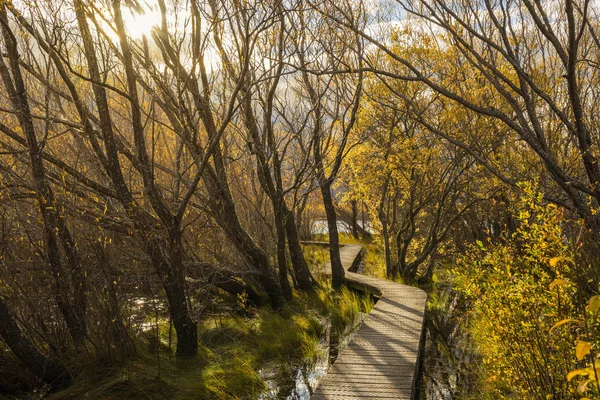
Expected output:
(449, 359)
(297, 382)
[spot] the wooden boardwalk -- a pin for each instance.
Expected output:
(381, 361)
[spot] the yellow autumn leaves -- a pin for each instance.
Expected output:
(522, 287)
(583, 348)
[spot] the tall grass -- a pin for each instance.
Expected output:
(342, 307)
(233, 349)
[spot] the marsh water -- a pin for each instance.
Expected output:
(297, 382)
(449, 360)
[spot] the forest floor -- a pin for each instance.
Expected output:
(234, 346)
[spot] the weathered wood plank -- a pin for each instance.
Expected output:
(381, 360)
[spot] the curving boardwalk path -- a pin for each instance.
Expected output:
(381, 361)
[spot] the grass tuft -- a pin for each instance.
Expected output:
(234, 348)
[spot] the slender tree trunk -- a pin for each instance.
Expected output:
(354, 219)
(226, 216)
(362, 216)
(277, 202)
(281, 256)
(48, 370)
(172, 276)
(389, 267)
(303, 276)
(303, 233)
(431, 267)
(255, 256)
(400, 263)
(302, 224)
(337, 269)
(187, 332)
(118, 330)
(185, 327)
(390, 270)
(166, 252)
(70, 296)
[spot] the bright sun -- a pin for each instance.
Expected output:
(138, 25)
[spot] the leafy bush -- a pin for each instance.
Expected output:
(514, 310)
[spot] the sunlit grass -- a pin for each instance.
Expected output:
(367, 303)
(343, 307)
(374, 261)
(316, 257)
(233, 347)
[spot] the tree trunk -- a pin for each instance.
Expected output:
(48, 370)
(351, 218)
(173, 281)
(303, 276)
(119, 332)
(337, 269)
(390, 270)
(281, 256)
(354, 219)
(400, 262)
(255, 256)
(226, 216)
(302, 223)
(389, 267)
(70, 296)
(431, 267)
(238, 287)
(185, 327)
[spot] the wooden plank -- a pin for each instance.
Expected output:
(381, 360)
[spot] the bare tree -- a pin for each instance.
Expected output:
(334, 101)
(69, 280)
(46, 369)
